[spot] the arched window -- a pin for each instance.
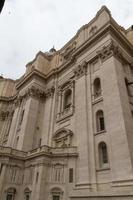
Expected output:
(97, 87)
(56, 197)
(103, 154)
(56, 194)
(100, 125)
(11, 194)
(67, 99)
(27, 194)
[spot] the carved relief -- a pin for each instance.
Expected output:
(63, 138)
(111, 50)
(35, 93)
(5, 114)
(80, 70)
(57, 173)
(18, 101)
(49, 92)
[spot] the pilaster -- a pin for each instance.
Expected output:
(81, 129)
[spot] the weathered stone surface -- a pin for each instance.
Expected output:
(66, 125)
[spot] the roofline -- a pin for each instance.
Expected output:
(110, 27)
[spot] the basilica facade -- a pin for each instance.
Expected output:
(66, 125)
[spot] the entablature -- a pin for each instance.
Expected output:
(43, 151)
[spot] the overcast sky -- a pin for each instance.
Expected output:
(28, 26)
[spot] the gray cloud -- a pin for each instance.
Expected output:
(27, 26)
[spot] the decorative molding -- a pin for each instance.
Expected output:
(93, 30)
(63, 138)
(110, 50)
(18, 101)
(80, 70)
(65, 112)
(50, 91)
(5, 114)
(69, 50)
(35, 93)
(66, 85)
(57, 173)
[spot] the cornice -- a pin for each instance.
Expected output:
(29, 76)
(30, 92)
(7, 99)
(110, 27)
(48, 57)
(35, 92)
(110, 50)
(125, 43)
(44, 151)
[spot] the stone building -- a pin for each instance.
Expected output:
(66, 126)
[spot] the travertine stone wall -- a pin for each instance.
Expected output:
(49, 125)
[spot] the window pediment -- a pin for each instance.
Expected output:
(63, 137)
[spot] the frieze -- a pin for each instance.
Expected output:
(80, 70)
(110, 50)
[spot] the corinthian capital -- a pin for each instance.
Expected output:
(50, 91)
(110, 50)
(80, 70)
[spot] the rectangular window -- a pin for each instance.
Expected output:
(9, 197)
(37, 176)
(27, 196)
(56, 197)
(71, 175)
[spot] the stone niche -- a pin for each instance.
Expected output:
(62, 138)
